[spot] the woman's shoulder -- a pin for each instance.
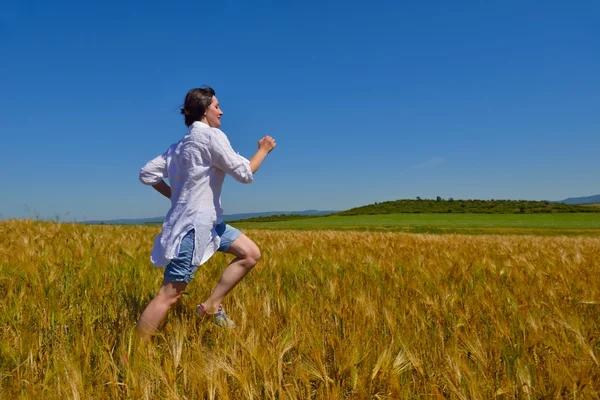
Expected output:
(214, 135)
(205, 137)
(200, 134)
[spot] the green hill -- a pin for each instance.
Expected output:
(468, 206)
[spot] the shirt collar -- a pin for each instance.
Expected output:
(199, 124)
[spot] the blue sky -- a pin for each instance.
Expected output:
(367, 102)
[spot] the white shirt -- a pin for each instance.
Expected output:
(196, 167)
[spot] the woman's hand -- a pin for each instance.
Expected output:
(267, 144)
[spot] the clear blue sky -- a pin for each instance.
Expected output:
(367, 102)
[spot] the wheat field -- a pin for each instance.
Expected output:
(324, 315)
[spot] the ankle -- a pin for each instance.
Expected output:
(209, 309)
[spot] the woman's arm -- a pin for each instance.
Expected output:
(225, 158)
(154, 172)
(265, 145)
(162, 188)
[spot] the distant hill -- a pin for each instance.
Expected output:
(237, 217)
(467, 206)
(570, 205)
(155, 220)
(582, 200)
(229, 217)
(282, 217)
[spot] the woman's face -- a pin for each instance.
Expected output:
(213, 113)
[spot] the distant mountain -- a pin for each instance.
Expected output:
(582, 200)
(229, 217)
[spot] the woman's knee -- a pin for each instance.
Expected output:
(255, 255)
(245, 249)
(171, 292)
(173, 299)
(251, 254)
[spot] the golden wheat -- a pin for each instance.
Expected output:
(324, 315)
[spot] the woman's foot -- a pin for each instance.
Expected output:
(219, 318)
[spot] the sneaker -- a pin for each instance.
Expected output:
(220, 318)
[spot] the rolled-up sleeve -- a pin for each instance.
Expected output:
(226, 159)
(155, 170)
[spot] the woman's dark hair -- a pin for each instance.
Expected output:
(195, 104)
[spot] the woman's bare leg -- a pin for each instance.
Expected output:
(247, 256)
(168, 294)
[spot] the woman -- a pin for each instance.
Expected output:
(193, 230)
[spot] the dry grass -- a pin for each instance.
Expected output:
(325, 315)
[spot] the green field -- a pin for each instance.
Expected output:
(575, 223)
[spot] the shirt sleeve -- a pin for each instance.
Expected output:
(226, 159)
(155, 170)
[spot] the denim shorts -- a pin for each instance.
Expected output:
(180, 269)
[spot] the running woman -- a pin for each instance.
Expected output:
(194, 230)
